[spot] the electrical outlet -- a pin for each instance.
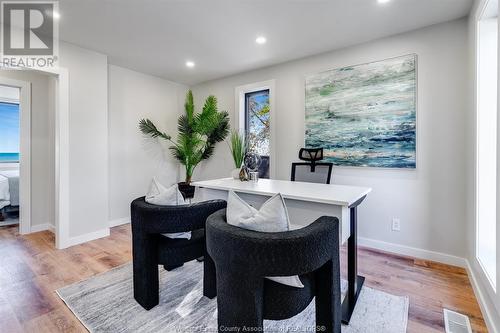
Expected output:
(396, 224)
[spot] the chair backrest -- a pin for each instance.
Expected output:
(311, 154)
(272, 253)
(312, 172)
(154, 219)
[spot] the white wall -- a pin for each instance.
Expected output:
(42, 144)
(88, 143)
(110, 163)
(133, 158)
(430, 201)
(88, 140)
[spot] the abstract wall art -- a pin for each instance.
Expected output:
(364, 115)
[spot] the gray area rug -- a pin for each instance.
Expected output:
(105, 303)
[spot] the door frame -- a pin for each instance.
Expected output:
(61, 155)
(61, 172)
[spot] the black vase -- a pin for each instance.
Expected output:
(186, 190)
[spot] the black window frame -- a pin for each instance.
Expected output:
(247, 97)
(263, 173)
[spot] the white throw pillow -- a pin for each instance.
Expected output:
(160, 195)
(271, 217)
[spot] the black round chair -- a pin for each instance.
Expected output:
(242, 258)
(150, 248)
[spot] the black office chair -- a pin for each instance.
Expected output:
(312, 171)
(240, 259)
(150, 248)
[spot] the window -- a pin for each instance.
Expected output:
(257, 127)
(9, 132)
(486, 131)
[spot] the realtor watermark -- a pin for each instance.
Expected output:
(29, 34)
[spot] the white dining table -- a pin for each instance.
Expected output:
(305, 203)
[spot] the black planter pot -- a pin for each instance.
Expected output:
(186, 190)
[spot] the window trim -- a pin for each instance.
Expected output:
(490, 287)
(492, 280)
(239, 116)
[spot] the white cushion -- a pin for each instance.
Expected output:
(160, 195)
(171, 196)
(271, 217)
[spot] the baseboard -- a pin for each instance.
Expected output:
(42, 227)
(94, 235)
(413, 252)
(482, 299)
(86, 237)
(117, 222)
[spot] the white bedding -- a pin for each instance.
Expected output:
(9, 188)
(4, 192)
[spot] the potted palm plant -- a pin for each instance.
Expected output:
(238, 148)
(197, 137)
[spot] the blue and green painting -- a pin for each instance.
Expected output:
(364, 115)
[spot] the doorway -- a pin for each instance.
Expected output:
(58, 165)
(9, 155)
(15, 157)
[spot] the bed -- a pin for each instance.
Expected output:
(9, 188)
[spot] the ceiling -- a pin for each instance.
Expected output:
(158, 36)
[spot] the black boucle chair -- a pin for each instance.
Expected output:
(242, 259)
(150, 248)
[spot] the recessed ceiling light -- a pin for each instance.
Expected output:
(383, 1)
(189, 64)
(56, 15)
(261, 40)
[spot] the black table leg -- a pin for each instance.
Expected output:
(354, 281)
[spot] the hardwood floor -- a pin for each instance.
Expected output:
(430, 286)
(31, 270)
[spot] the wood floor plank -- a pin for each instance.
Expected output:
(31, 269)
